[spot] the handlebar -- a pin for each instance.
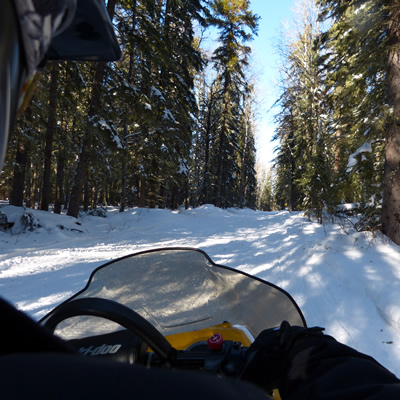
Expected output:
(123, 346)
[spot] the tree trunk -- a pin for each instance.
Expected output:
(142, 192)
(51, 128)
(123, 189)
(80, 176)
(21, 159)
(391, 194)
(59, 183)
(207, 138)
(29, 203)
(218, 192)
(338, 151)
(86, 151)
(220, 195)
(243, 172)
(131, 74)
(86, 197)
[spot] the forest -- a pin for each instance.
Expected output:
(171, 124)
(337, 126)
(167, 125)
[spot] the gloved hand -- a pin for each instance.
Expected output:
(271, 353)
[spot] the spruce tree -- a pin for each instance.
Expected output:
(237, 25)
(303, 157)
(50, 131)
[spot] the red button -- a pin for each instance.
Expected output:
(215, 342)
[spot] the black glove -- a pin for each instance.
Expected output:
(271, 353)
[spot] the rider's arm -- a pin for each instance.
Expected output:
(305, 364)
(329, 369)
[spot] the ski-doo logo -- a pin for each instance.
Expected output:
(103, 349)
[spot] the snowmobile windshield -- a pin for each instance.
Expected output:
(181, 290)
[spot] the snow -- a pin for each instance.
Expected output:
(103, 124)
(167, 115)
(365, 148)
(346, 281)
(183, 169)
(156, 92)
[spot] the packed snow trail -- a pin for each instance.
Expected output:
(346, 281)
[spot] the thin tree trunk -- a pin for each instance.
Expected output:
(21, 159)
(207, 138)
(142, 192)
(86, 197)
(220, 163)
(243, 175)
(391, 195)
(338, 151)
(219, 183)
(51, 128)
(80, 175)
(123, 190)
(59, 183)
(28, 186)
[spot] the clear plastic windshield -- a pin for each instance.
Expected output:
(180, 290)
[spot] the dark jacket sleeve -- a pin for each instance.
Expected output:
(331, 370)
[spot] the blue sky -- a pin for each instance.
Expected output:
(272, 13)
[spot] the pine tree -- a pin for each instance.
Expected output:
(50, 131)
(287, 192)
(303, 158)
(247, 184)
(236, 25)
(266, 192)
(205, 132)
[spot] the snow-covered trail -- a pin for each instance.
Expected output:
(345, 281)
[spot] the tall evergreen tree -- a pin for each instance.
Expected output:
(247, 181)
(237, 25)
(265, 198)
(209, 106)
(162, 63)
(303, 159)
(50, 131)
